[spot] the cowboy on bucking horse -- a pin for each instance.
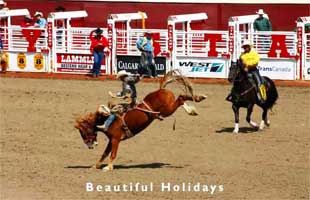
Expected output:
(128, 92)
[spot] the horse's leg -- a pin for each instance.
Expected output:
(236, 112)
(195, 98)
(265, 120)
(114, 143)
(248, 116)
(104, 155)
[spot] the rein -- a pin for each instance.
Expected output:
(248, 90)
(148, 110)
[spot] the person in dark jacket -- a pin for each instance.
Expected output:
(262, 23)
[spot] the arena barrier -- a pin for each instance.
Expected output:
(197, 53)
(25, 49)
(71, 45)
(303, 46)
(277, 50)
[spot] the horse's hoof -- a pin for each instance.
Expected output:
(236, 131)
(107, 168)
(253, 125)
(267, 123)
(262, 125)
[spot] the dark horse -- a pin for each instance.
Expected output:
(244, 94)
(156, 105)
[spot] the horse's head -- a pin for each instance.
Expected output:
(234, 71)
(87, 128)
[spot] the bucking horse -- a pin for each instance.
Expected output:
(156, 105)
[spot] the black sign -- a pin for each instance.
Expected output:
(131, 64)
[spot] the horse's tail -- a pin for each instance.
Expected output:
(272, 93)
(176, 76)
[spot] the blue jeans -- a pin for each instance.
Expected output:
(98, 57)
(109, 121)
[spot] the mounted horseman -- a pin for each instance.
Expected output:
(249, 88)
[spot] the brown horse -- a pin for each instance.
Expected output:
(156, 105)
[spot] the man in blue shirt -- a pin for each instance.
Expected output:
(39, 21)
(147, 63)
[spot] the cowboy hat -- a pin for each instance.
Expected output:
(38, 13)
(2, 2)
(246, 43)
(98, 31)
(260, 12)
(122, 73)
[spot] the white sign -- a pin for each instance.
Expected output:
(282, 69)
(25, 62)
(202, 67)
(307, 69)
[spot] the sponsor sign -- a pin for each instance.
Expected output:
(21, 60)
(284, 69)
(38, 61)
(307, 69)
(131, 64)
(202, 67)
(77, 63)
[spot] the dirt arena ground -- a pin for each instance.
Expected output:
(43, 157)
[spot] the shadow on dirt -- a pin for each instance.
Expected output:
(139, 166)
(241, 130)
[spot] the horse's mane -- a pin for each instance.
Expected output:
(176, 76)
(86, 123)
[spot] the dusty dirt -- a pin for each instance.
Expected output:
(43, 157)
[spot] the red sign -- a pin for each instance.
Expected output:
(170, 37)
(231, 36)
(110, 35)
(79, 63)
(213, 38)
(299, 39)
(278, 47)
(49, 34)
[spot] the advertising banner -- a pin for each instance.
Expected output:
(307, 69)
(131, 64)
(202, 67)
(282, 69)
(77, 63)
(28, 62)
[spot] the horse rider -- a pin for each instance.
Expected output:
(147, 63)
(249, 59)
(128, 92)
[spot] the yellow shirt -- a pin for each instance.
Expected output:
(250, 60)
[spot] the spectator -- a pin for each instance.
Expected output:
(3, 5)
(98, 47)
(28, 22)
(262, 23)
(39, 20)
(147, 63)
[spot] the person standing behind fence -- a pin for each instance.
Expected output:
(98, 47)
(147, 63)
(39, 20)
(263, 24)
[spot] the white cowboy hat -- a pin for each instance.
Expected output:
(2, 2)
(38, 13)
(148, 32)
(260, 12)
(122, 73)
(246, 42)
